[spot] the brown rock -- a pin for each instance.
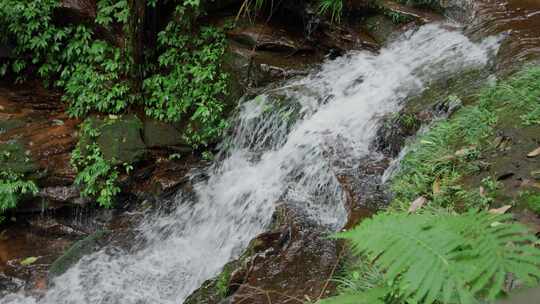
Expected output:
(295, 262)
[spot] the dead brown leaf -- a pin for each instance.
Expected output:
(501, 210)
(437, 186)
(417, 204)
(534, 153)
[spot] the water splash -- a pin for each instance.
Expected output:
(284, 147)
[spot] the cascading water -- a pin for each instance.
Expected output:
(282, 149)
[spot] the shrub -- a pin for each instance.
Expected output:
(191, 87)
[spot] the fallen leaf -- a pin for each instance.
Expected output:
(29, 261)
(437, 186)
(482, 191)
(501, 210)
(417, 204)
(530, 183)
(534, 153)
(2, 108)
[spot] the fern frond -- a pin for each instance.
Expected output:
(447, 257)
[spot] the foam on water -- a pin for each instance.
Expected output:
(279, 151)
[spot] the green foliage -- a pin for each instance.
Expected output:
(532, 201)
(95, 174)
(110, 11)
(91, 71)
(12, 187)
(521, 93)
(192, 85)
(37, 40)
(452, 148)
(443, 155)
(222, 284)
(444, 257)
(332, 7)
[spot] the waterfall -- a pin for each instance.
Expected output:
(283, 147)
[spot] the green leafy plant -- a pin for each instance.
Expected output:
(12, 187)
(443, 257)
(192, 86)
(332, 7)
(97, 176)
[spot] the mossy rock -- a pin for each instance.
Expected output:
(13, 157)
(159, 134)
(380, 27)
(120, 138)
(78, 250)
(6, 125)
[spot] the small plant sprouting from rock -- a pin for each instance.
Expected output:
(12, 187)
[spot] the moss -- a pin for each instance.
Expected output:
(119, 138)
(14, 158)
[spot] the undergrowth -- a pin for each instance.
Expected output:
(439, 256)
(451, 250)
(12, 187)
(192, 85)
(452, 149)
(96, 175)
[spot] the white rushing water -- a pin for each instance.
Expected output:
(280, 151)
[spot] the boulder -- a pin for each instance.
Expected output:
(380, 27)
(293, 261)
(159, 134)
(81, 248)
(262, 36)
(120, 138)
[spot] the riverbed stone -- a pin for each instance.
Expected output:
(78, 250)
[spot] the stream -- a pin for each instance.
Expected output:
(284, 147)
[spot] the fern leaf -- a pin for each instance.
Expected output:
(447, 257)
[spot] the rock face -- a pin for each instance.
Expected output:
(120, 140)
(289, 264)
(36, 137)
(81, 248)
(294, 262)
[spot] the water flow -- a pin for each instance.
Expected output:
(284, 148)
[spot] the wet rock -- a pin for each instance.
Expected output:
(460, 10)
(14, 157)
(264, 37)
(293, 261)
(343, 38)
(393, 133)
(380, 27)
(36, 137)
(417, 14)
(81, 248)
(357, 5)
(10, 124)
(77, 10)
(120, 138)
(250, 68)
(160, 134)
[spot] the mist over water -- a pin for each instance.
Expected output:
(283, 148)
